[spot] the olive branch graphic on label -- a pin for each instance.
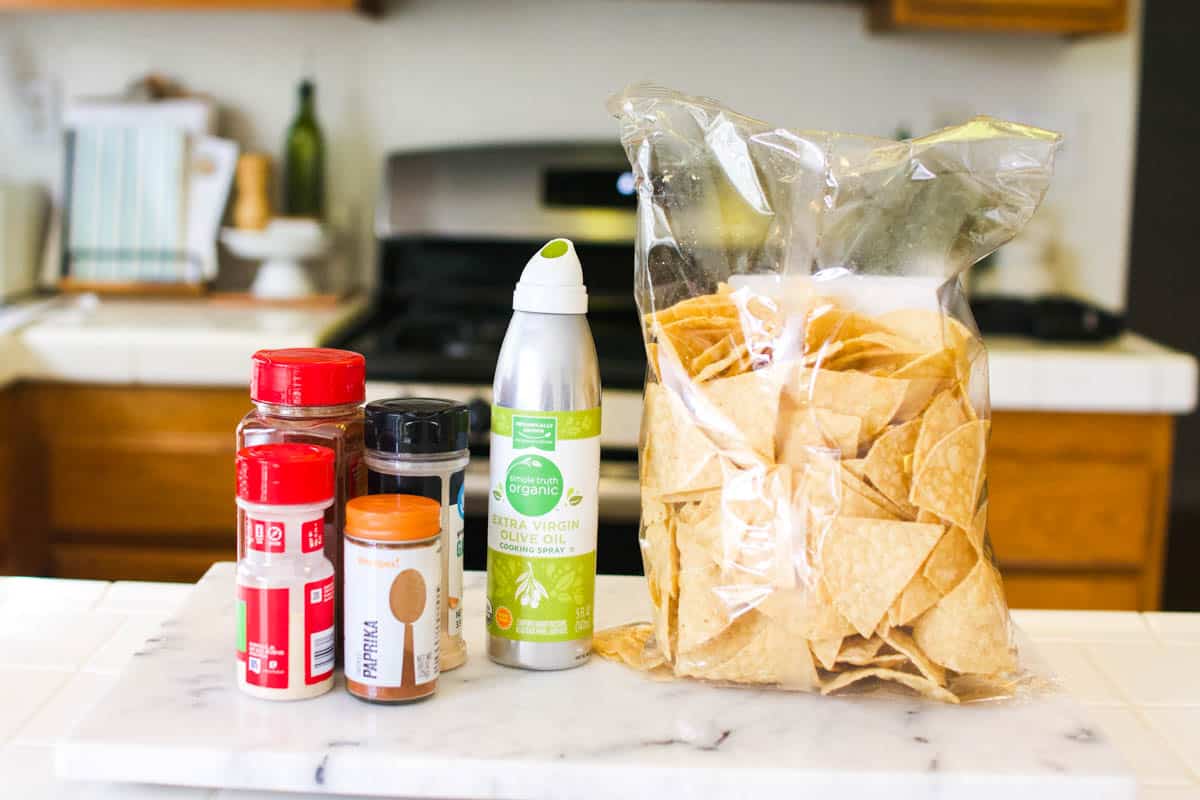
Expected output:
(530, 593)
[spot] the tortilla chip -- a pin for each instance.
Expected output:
(977, 533)
(683, 459)
(697, 659)
(826, 651)
(791, 660)
(853, 483)
(768, 658)
(757, 536)
(630, 644)
(866, 563)
(662, 574)
(945, 414)
(708, 305)
(930, 330)
(917, 598)
(951, 477)
(951, 560)
(702, 611)
(652, 360)
(872, 399)
(735, 361)
(826, 323)
(918, 684)
(746, 530)
(806, 612)
(803, 428)
(687, 339)
(937, 365)
(741, 412)
(887, 661)
(885, 463)
(968, 631)
(856, 467)
(902, 643)
(825, 494)
(859, 651)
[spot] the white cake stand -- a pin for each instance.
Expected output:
(282, 247)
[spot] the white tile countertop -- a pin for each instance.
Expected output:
(63, 644)
(206, 344)
(167, 342)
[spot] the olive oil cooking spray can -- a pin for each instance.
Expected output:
(545, 471)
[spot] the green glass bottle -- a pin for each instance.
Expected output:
(304, 160)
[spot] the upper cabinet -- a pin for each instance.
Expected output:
(366, 6)
(1021, 16)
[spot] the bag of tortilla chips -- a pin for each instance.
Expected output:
(815, 432)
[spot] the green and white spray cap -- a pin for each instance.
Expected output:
(552, 282)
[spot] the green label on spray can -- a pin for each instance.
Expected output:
(542, 513)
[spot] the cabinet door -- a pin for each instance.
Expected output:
(125, 482)
(1035, 16)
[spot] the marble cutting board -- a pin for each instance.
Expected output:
(599, 731)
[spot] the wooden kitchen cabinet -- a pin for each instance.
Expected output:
(1078, 507)
(137, 483)
(1029, 16)
(366, 6)
(121, 482)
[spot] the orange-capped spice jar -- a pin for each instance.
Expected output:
(392, 562)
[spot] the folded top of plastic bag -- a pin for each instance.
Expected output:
(732, 195)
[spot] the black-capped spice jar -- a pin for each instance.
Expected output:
(418, 446)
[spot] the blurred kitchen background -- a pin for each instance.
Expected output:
(455, 137)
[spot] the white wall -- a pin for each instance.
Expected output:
(434, 72)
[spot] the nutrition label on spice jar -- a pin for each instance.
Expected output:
(262, 629)
(318, 630)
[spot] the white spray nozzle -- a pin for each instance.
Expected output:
(552, 282)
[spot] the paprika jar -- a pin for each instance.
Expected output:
(285, 584)
(393, 575)
(312, 395)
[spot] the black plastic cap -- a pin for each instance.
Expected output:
(416, 425)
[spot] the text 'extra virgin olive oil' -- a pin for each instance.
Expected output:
(545, 471)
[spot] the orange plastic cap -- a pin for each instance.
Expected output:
(393, 517)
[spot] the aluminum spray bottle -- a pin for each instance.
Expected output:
(545, 471)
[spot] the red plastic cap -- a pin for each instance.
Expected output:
(308, 376)
(285, 474)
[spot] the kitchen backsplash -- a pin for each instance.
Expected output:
(432, 73)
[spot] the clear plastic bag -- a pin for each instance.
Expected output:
(816, 418)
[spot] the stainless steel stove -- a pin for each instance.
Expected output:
(454, 228)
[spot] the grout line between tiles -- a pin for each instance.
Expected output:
(19, 729)
(96, 606)
(1140, 713)
(1115, 691)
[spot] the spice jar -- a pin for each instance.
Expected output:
(312, 395)
(393, 597)
(285, 584)
(419, 446)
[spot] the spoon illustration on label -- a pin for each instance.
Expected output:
(407, 601)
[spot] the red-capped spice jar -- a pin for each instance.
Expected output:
(285, 585)
(312, 395)
(394, 597)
